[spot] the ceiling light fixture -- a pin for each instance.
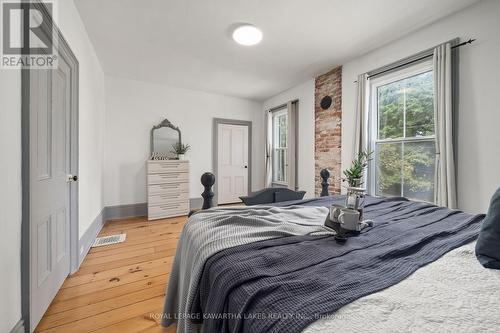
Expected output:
(247, 34)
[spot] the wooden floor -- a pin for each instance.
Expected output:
(121, 287)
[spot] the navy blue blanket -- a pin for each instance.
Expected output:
(284, 284)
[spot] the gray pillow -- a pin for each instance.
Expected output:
(288, 196)
(488, 243)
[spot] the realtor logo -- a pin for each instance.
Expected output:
(27, 33)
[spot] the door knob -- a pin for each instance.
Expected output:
(246, 167)
(72, 178)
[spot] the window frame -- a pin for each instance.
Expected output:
(274, 115)
(373, 122)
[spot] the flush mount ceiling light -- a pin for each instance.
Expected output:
(247, 35)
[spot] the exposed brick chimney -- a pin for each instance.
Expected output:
(328, 129)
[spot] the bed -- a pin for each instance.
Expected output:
(279, 269)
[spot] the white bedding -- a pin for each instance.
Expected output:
(452, 294)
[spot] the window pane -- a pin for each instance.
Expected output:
(391, 110)
(280, 130)
(388, 171)
(279, 165)
(280, 143)
(419, 98)
(419, 160)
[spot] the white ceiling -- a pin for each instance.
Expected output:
(187, 43)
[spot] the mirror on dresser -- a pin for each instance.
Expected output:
(164, 137)
(167, 177)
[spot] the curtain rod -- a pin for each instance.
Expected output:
(282, 106)
(415, 60)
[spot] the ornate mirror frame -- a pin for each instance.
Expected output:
(165, 123)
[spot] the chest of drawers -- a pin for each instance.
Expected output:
(168, 189)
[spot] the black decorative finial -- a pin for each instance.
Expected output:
(325, 174)
(207, 180)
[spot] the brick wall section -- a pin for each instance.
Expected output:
(328, 129)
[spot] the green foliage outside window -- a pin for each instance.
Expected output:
(406, 110)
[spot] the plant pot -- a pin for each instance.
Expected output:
(181, 157)
(356, 182)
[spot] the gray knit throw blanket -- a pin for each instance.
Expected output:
(211, 231)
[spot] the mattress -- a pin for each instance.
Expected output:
(452, 294)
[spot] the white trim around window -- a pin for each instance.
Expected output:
(281, 146)
(373, 121)
(279, 152)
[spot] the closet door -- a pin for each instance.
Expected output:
(232, 163)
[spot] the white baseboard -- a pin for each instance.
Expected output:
(89, 237)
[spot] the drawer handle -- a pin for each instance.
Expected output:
(172, 195)
(169, 186)
(170, 206)
(169, 167)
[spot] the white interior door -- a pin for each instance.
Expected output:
(50, 113)
(232, 164)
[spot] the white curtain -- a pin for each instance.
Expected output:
(292, 144)
(445, 188)
(361, 120)
(268, 149)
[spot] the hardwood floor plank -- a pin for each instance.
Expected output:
(164, 235)
(130, 248)
(141, 229)
(90, 310)
(164, 263)
(108, 318)
(116, 277)
(169, 238)
(81, 300)
(166, 249)
(90, 269)
(104, 285)
(134, 221)
(159, 329)
(112, 257)
(133, 325)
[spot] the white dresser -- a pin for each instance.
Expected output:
(168, 189)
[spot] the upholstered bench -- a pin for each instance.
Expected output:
(272, 195)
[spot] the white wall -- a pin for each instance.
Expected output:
(479, 116)
(91, 113)
(304, 92)
(10, 198)
(133, 107)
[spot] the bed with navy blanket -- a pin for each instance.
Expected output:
(286, 281)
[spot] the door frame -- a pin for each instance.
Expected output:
(65, 51)
(215, 150)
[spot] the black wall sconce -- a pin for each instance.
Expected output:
(326, 102)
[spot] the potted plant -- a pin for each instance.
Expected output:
(354, 175)
(180, 149)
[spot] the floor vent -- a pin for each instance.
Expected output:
(109, 240)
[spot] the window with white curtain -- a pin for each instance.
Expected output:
(280, 146)
(402, 133)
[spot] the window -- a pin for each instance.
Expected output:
(402, 134)
(280, 146)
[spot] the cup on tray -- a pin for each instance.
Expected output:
(335, 211)
(349, 219)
